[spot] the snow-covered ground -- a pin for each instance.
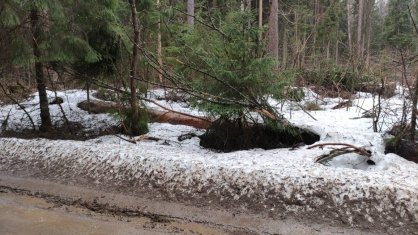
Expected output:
(280, 180)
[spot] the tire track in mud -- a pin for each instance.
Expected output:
(115, 211)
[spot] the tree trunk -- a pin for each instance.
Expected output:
(285, 50)
(370, 7)
(190, 12)
(368, 45)
(260, 20)
(133, 71)
(315, 35)
(328, 50)
(414, 110)
(350, 25)
(336, 52)
(37, 37)
(360, 30)
(273, 33)
(159, 47)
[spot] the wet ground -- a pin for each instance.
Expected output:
(21, 214)
(32, 206)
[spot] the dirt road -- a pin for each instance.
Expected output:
(29, 206)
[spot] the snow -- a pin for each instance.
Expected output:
(18, 120)
(281, 180)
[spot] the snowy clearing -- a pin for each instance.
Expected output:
(279, 181)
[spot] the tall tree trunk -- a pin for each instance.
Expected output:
(260, 19)
(315, 35)
(350, 25)
(159, 46)
(370, 7)
(414, 110)
(285, 50)
(190, 12)
(360, 30)
(336, 52)
(133, 71)
(328, 50)
(273, 33)
(368, 44)
(37, 37)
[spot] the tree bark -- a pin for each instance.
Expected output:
(159, 47)
(37, 37)
(336, 51)
(133, 71)
(260, 20)
(166, 116)
(360, 30)
(273, 33)
(190, 12)
(370, 7)
(285, 50)
(414, 110)
(350, 25)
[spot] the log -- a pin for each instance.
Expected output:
(169, 116)
(178, 119)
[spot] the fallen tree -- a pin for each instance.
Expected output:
(166, 116)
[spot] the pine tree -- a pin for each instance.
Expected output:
(38, 18)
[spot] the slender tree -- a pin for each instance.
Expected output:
(190, 12)
(350, 25)
(260, 19)
(273, 33)
(159, 46)
(133, 71)
(37, 17)
(360, 18)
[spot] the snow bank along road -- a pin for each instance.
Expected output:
(353, 197)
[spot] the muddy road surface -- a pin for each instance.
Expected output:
(32, 206)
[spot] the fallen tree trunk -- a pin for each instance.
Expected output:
(169, 116)
(178, 119)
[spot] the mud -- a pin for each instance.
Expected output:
(22, 214)
(25, 212)
(30, 206)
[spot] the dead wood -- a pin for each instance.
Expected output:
(168, 116)
(347, 148)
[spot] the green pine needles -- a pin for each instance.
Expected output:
(227, 63)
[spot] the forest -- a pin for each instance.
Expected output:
(287, 107)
